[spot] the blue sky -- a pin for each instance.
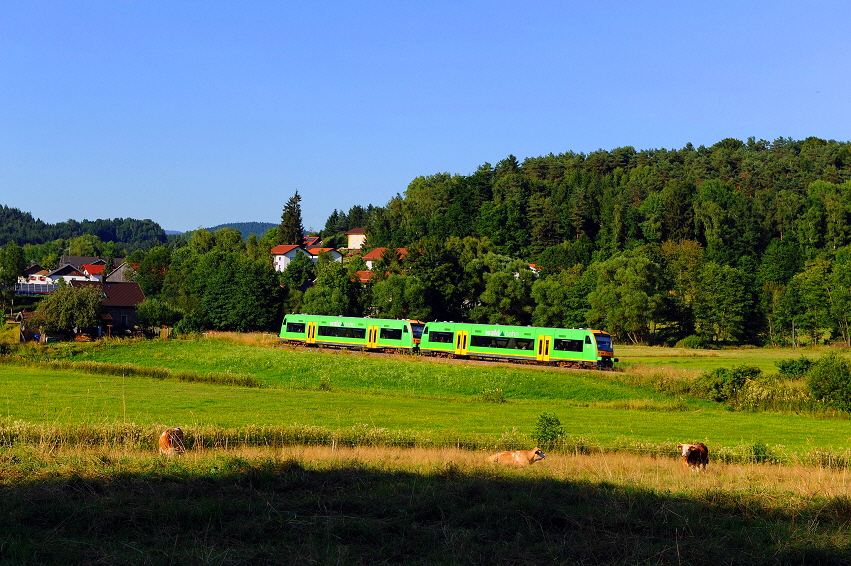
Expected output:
(198, 113)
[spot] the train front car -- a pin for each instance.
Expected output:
(605, 349)
(575, 347)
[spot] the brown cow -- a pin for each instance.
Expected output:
(695, 456)
(171, 442)
(519, 457)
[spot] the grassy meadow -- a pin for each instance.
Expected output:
(302, 456)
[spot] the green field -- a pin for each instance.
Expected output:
(703, 360)
(339, 389)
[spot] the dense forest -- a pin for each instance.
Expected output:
(126, 233)
(737, 243)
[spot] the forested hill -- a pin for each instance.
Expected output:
(128, 233)
(735, 198)
(246, 228)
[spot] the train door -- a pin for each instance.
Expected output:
(544, 345)
(462, 337)
(372, 337)
(311, 333)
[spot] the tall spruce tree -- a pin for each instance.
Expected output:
(291, 230)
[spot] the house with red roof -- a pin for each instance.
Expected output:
(94, 271)
(282, 255)
(377, 253)
(315, 251)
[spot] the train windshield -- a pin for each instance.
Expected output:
(604, 342)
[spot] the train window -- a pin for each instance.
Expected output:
(443, 337)
(391, 334)
(417, 328)
(587, 339)
(509, 343)
(568, 345)
(340, 332)
(295, 327)
(604, 342)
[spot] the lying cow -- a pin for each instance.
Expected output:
(519, 457)
(171, 442)
(695, 456)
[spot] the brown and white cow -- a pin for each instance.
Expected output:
(518, 457)
(695, 456)
(171, 442)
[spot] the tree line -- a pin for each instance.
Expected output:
(739, 243)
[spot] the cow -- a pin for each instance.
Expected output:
(171, 442)
(519, 457)
(695, 456)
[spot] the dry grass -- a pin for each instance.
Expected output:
(367, 505)
(251, 338)
(664, 475)
(663, 372)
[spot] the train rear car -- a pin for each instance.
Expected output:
(347, 332)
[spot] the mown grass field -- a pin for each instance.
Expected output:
(621, 499)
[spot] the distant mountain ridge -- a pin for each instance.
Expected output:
(246, 228)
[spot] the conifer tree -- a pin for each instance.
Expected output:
(291, 230)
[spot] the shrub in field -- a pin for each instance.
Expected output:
(829, 381)
(760, 452)
(723, 384)
(694, 342)
(493, 396)
(794, 369)
(548, 430)
(767, 394)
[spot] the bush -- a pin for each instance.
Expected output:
(693, 342)
(829, 381)
(548, 430)
(723, 384)
(794, 369)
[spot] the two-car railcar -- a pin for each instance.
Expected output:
(569, 347)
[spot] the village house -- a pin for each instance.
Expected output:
(283, 254)
(376, 254)
(356, 238)
(118, 302)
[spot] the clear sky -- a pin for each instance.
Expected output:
(198, 113)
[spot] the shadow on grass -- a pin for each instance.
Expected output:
(278, 512)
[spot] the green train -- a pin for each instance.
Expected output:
(568, 347)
